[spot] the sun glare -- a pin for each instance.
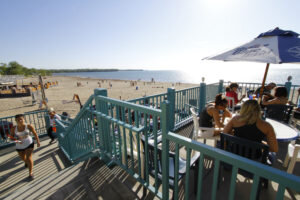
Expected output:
(217, 5)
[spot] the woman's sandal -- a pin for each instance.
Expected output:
(31, 177)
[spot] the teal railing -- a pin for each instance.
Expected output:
(78, 138)
(114, 130)
(37, 118)
(211, 91)
(284, 180)
(153, 101)
(184, 100)
(122, 125)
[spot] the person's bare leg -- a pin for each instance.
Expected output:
(29, 160)
(22, 155)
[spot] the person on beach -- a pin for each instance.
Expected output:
(280, 97)
(249, 125)
(24, 142)
(212, 114)
(53, 116)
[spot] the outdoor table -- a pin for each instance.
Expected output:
(283, 131)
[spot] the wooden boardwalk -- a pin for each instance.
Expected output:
(56, 178)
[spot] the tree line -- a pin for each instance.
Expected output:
(14, 68)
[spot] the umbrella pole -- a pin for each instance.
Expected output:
(263, 83)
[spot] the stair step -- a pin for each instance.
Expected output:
(91, 179)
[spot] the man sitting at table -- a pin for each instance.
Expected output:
(280, 97)
(249, 125)
(266, 90)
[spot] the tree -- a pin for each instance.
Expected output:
(15, 68)
(3, 68)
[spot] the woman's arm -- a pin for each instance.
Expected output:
(228, 128)
(217, 118)
(271, 138)
(227, 113)
(273, 101)
(30, 127)
(243, 96)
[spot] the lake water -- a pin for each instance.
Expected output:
(276, 75)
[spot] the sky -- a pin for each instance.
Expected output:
(135, 34)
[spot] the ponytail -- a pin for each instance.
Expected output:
(220, 100)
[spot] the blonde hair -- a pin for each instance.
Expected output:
(250, 112)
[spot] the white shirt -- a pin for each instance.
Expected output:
(24, 137)
(52, 121)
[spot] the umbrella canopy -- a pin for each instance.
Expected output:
(275, 46)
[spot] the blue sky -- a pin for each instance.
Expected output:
(152, 34)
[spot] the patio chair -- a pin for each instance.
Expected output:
(279, 112)
(172, 157)
(202, 132)
(231, 104)
(245, 148)
(293, 155)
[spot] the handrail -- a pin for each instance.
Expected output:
(147, 97)
(259, 170)
(129, 104)
(79, 115)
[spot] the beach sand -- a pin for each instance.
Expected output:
(67, 86)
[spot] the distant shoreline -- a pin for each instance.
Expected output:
(90, 70)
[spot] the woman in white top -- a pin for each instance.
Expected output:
(24, 142)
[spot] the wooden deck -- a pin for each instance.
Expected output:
(56, 178)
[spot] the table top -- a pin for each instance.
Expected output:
(283, 132)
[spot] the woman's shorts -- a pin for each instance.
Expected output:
(29, 147)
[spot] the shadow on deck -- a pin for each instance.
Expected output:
(56, 178)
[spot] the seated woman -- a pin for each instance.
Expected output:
(249, 125)
(280, 97)
(212, 113)
(233, 93)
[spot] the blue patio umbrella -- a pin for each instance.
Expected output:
(275, 46)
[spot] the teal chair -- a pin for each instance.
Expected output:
(246, 148)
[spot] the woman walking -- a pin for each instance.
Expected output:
(24, 142)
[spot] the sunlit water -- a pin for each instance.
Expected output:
(195, 76)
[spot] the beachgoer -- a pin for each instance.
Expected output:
(52, 117)
(280, 97)
(267, 90)
(233, 93)
(212, 113)
(249, 125)
(24, 142)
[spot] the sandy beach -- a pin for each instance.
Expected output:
(60, 96)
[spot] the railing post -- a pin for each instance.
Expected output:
(171, 100)
(202, 97)
(220, 90)
(103, 128)
(288, 86)
(165, 145)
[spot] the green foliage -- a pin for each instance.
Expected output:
(3, 68)
(14, 68)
